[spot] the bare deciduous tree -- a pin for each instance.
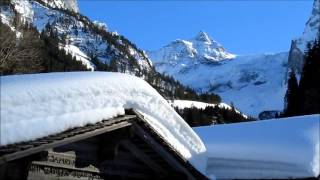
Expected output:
(19, 55)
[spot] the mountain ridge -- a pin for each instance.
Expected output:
(199, 49)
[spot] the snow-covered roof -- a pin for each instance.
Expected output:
(271, 149)
(38, 105)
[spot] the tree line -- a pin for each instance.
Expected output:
(303, 96)
(211, 115)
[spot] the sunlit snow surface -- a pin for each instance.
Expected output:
(182, 104)
(34, 106)
(279, 148)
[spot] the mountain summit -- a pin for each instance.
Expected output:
(71, 5)
(187, 53)
(203, 36)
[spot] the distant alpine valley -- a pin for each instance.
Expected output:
(253, 83)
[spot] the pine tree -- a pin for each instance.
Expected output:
(310, 78)
(292, 102)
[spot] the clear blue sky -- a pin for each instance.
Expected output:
(242, 27)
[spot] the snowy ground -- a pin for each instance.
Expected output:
(33, 106)
(271, 149)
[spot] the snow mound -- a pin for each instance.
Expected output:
(37, 105)
(271, 149)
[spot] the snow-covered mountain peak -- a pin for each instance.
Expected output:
(63, 4)
(203, 37)
(188, 53)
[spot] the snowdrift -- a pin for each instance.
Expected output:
(271, 149)
(34, 106)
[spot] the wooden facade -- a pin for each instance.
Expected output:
(124, 147)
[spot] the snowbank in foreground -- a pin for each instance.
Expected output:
(271, 149)
(33, 106)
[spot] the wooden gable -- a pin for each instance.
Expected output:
(124, 147)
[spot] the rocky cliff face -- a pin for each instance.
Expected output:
(71, 5)
(298, 46)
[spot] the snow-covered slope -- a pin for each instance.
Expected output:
(84, 38)
(299, 45)
(63, 4)
(254, 83)
(271, 149)
(33, 106)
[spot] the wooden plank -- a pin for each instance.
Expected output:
(143, 157)
(161, 151)
(19, 154)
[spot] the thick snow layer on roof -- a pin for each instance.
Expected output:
(271, 149)
(33, 106)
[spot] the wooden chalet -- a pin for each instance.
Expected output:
(125, 147)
